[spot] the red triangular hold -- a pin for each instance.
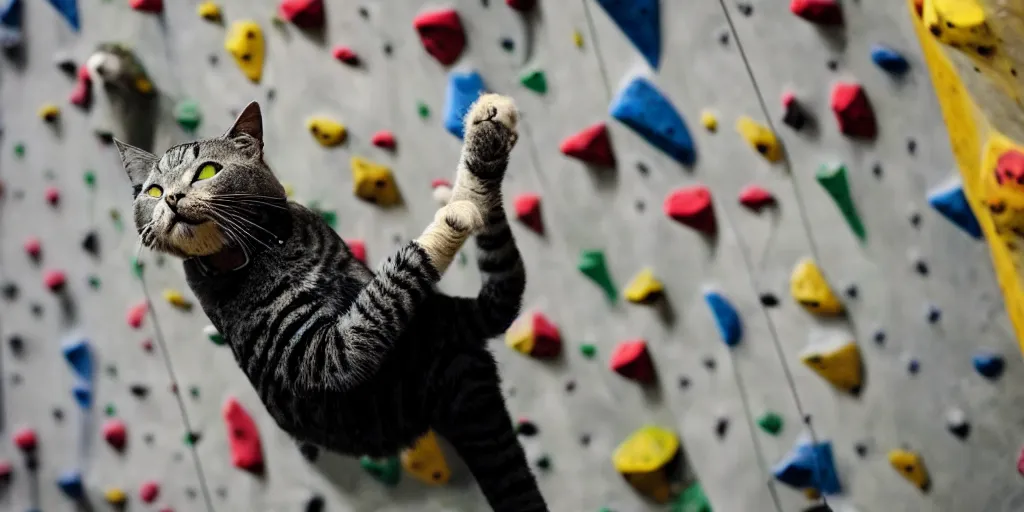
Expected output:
(358, 248)
(755, 197)
(346, 55)
(442, 34)
(527, 207)
(853, 111)
(115, 433)
(692, 206)
(154, 6)
(632, 361)
(521, 5)
(384, 139)
(246, 448)
(591, 145)
(303, 13)
(821, 12)
(547, 341)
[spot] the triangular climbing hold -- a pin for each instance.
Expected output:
(833, 180)
(426, 462)
(692, 206)
(591, 145)
(78, 354)
(10, 24)
(69, 10)
(115, 433)
(770, 422)
(643, 108)
(153, 6)
(632, 361)
(535, 335)
(853, 111)
(464, 87)
(387, 471)
(809, 288)
(952, 203)
(303, 13)
(527, 208)
(755, 197)
(346, 55)
(384, 139)
(821, 12)
(640, 20)
(81, 391)
(245, 43)
(243, 436)
(373, 182)
(911, 466)
(535, 81)
(326, 131)
(644, 288)
(136, 314)
(442, 34)
(889, 60)
(70, 483)
(988, 364)
(692, 499)
(592, 264)
(210, 11)
(25, 439)
(647, 460)
(809, 466)
(358, 248)
(761, 138)
(838, 362)
(727, 319)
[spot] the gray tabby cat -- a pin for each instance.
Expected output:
(359, 362)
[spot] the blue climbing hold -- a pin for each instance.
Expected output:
(641, 22)
(68, 9)
(952, 203)
(82, 392)
(988, 365)
(726, 317)
(646, 111)
(10, 24)
(809, 466)
(464, 87)
(888, 59)
(79, 356)
(70, 483)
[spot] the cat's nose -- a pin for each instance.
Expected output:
(172, 200)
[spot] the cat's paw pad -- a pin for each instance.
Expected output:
(491, 127)
(463, 217)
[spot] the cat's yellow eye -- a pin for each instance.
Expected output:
(208, 171)
(154, 191)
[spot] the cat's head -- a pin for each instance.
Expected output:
(199, 197)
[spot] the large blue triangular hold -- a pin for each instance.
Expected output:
(79, 356)
(646, 111)
(952, 203)
(464, 87)
(70, 483)
(82, 392)
(726, 318)
(641, 21)
(809, 466)
(68, 9)
(10, 24)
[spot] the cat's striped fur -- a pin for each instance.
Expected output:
(364, 362)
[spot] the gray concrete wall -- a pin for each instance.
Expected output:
(617, 212)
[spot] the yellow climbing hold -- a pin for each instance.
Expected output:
(646, 458)
(176, 299)
(520, 337)
(958, 22)
(115, 496)
(577, 38)
(760, 137)
(245, 43)
(373, 182)
(326, 131)
(837, 362)
(808, 287)
(911, 466)
(49, 112)
(709, 120)
(209, 11)
(425, 461)
(644, 288)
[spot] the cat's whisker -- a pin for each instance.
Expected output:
(232, 211)
(232, 232)
(225, 217)
(246, 201)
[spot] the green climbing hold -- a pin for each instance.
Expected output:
(137, 267)
(423, 109)
(213, 335)
(188, 115)
(115, 216)
(194, 391)
(592, 265)
(692, 499)
(388, 471)
(90, 178)
(19, 150)
(191, 438)
(770, 423)
(110, 410)
(833, 179)
(589, 350)
(535, 81)
(94, 282)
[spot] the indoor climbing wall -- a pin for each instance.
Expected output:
(749, 252)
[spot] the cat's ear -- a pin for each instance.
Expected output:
(138, 163)
(248, 128)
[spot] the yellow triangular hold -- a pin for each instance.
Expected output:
(373, 182)
(520, 337)
(176, 299)
(426, 462)
(911, 466)
(644, 287)
(645, 460)
(760, 137)
(245, 43)
(326, 131)
(839, 363)
(958, 22)
(209, 11)
(808, 287)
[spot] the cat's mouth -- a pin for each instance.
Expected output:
(181, 219)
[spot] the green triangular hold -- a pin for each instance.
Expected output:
(387, 471)
(833, 179)
(534, 81)
(188, 115)
(593, 266)
(588, 350)
(770, 423)
(692, 499)
(330, 217)
(213, 335)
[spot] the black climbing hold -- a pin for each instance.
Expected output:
(832, 64)
(852, 291)
(37, 309)
(526, 428)
(807, 419)
(222, 492)
(32, 462)
(364, 13)
(190, 492)
(91, 243)
(17, 344)
(58, 414)
(769, 300)
(67, 66)
(911, 146)
(880, 337)
(861, 449)
(192, 438)
(15, 378)
(148, 438)
(105, 136)
(316, 503)
(544, 462)
(310, 452)
(961, 430)
(921, 267)
(723, 38)
(913, 366)
(10, 291)
(709, 363)
(387, 48)
(877, 170)
(570, 386)
(915, 219)
(684, 382)
(139, 390)
(508, 44)
(745, 8)
(934, 314)
(271, 94)
(640, 205)
(642, 169)
(721, 427)
(585, 439)
(111, 370)
(214, 59)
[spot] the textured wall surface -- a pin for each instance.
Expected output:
(708, 393)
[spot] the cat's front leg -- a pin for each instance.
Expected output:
(490, 136)
(453, 224)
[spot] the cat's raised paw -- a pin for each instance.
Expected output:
(463, 217)
(491, 127)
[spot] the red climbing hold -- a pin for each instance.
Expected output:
(25, 439)
(440, 182)
(303, 13)
(52, 195)
(521, 5)
(632, 361)
(527, 207)
(346, 55)
(384, 139)
(821, 12)
(147, 345)
(692, 206)
(81, 95)
(148, 491)
(591, 145)
(246, 450)
(547, 341)
(153, 6)
(853, 110)
(54, 280)
(755, 197)
(6, 468)
(442, 34)
(33, 247)
(115, 433)
(1020, 462)
(1010, 168)
(136, 313)
(358, 248)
